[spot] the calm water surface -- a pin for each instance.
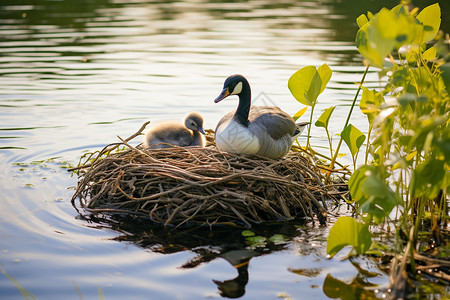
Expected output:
(75, 74)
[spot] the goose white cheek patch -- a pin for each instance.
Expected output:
(237, 89)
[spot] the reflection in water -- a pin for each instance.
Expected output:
(358, 288)
(240, 259)
(228, 243)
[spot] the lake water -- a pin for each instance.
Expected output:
(75, 74)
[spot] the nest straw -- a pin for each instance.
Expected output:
(180, 186)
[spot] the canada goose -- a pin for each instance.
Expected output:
(262, 130)
(167, 134)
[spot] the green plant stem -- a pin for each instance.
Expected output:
(368, 144)
(329, 142)
(308, 145)
(348, 117)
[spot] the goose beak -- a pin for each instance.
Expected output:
(225, 93)
(201, 130)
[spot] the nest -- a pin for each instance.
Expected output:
(181, 186)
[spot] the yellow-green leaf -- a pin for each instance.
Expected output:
(411, 155)
(300, 113)
(348, 232)
(305, 85)
(325, 75)
(370, 101)
(430, 17)
(430, 54)
(325, 117)
(362, 20)
(353, 137)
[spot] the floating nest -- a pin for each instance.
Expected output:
(182, 186)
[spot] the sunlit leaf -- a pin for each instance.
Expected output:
(384, 115)
(411, 155)
(325, 117)
(305, 85)
(398, 10)
(308, 83)
(430, 54)
(370, 101)
(365, 48)
(325, 75)
(386, 31)
(430, 17)
(361, 20)
(348, 232)
(372, 193)
(353, 137)
(300, 113)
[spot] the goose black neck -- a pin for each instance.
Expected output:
(243, 109)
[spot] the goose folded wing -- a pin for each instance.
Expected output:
(276, 122)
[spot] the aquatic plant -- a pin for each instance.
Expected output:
(408, 143)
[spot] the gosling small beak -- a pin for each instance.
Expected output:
(225, 93)
(201, 130)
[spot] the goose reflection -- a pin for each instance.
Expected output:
(239, 259)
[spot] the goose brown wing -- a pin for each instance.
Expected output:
(276, 122)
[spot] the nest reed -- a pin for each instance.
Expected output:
(180, 186)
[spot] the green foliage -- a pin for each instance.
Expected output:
(369, 103)
(369, 189)
(323, 121)
(409, 134)
(430, 19)
(324, 118)
(300, 113)
(306, 85)
(348, 232)
(388, 30)
(354, 139)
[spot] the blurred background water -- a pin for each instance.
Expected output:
(74, 74)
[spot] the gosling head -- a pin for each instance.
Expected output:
(233, 85)
(194, 121)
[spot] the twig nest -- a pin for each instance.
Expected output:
(181, 186)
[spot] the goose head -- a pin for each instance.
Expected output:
(234, 85)
(237, 85)
(194, 121)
